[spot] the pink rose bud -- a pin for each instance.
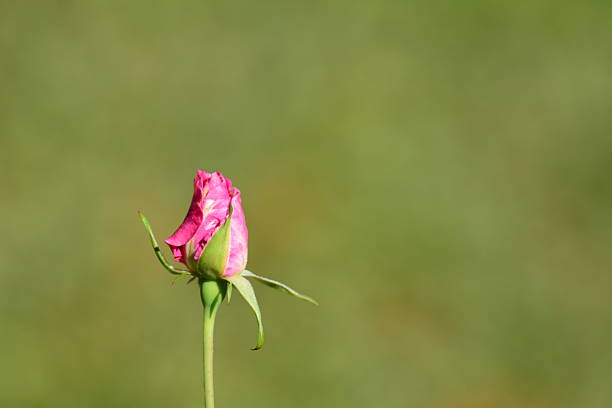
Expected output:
(212, 243)
(212, 240)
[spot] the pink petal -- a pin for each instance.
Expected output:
(215, 211)
(208, 211)
(177, 241)
(239, 236)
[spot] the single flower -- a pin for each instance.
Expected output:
(215, 204)
(212, 242)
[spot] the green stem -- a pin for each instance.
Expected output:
(211, 293)
(209, 327)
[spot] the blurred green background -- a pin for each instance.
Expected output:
(436, 174)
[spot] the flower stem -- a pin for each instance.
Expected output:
(211, 293)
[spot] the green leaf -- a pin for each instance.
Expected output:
(280, 286)
(158, 253)
(214, 257)
(246, 290)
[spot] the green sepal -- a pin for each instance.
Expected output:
(158, 253)
(246, 290)
(177, 278)
(280, 286)
(228, 293)
(213, 259)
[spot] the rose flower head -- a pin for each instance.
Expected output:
(212, 241)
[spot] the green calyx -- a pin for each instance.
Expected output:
(213, 259)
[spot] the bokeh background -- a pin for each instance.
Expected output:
(436, 174)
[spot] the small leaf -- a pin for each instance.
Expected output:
(280, 286)
(246, 290)
(158, 253)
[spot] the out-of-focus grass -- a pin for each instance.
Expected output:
(436, 175)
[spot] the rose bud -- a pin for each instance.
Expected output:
(212, 240)
(212, 243)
